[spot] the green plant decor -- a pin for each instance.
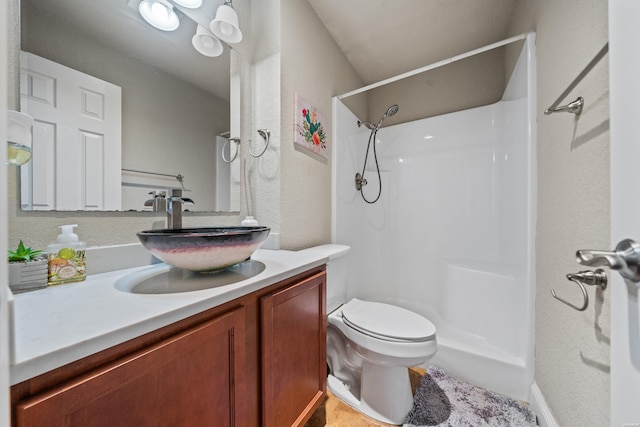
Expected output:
(24, 254)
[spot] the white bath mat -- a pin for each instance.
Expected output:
(441, 400)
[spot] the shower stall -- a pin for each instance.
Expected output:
(452, 235)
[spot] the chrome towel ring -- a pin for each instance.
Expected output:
(587, 277)
(224, 147)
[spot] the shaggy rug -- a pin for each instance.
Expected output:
(441, 400)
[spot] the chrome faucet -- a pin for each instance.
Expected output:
(157, 202)
(174, 208)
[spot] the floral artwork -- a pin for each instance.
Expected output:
(309, 127)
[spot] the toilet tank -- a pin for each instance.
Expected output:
(337, 264)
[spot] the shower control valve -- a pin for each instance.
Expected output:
(360, 181)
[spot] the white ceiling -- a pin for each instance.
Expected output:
(384, 38)
(117, 23)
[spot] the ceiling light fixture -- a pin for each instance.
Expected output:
(191, 4)
(160, 14)
(225, 25)
(206, 43)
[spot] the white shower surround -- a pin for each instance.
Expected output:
(452, 237)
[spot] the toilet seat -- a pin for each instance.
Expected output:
(387, 322)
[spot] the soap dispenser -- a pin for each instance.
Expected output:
(66, 258)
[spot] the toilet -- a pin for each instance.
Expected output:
(371, 345)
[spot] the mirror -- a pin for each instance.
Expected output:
(176, 111)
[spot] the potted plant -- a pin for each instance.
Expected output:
(27, 269)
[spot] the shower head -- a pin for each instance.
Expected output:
(390, 112)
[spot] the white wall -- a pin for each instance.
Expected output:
(314, 67)
(572, 348)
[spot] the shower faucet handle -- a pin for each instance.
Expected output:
(625, 259)
(360, 181)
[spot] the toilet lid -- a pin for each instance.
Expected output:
(387, 321)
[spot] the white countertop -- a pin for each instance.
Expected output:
(64, 323)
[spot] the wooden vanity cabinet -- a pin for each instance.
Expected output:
(294, 370)
(193, 378)
(257, 360)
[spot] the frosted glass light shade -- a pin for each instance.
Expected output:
(160, 14)
(225, 25)
(191, 4)
(206, 43)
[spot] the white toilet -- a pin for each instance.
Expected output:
(371, 345)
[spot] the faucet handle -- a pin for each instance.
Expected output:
(625, 259)
(183, 200)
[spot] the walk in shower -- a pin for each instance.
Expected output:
(452, 235)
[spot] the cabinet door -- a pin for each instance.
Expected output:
(195, 378)
(294, 373)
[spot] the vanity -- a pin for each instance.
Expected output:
(248, 353)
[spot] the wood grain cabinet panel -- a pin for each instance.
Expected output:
(294, 374)
(259, 359)
(195, 378)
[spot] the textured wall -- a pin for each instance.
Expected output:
(314, 67)
(572, 348)
(262, 178)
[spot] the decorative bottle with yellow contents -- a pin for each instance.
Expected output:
(66, 258)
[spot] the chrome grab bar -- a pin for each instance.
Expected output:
(578, 79)
(587, 277)
(574, 107)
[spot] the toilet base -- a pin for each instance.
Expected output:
(385, 392)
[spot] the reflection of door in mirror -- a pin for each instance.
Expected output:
(174, 100)
(76, 138)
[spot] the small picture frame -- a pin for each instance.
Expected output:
(310, 132)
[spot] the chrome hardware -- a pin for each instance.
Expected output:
(178, 177)
(625, 259)
(157, 202)
(360, 181)
(587, 277)
(224, 147)
(266, 135)
(174, 208)
(574, 107)
(552, 108)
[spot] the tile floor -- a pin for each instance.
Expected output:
(334, 413)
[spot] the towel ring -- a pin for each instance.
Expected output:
(237, 141)
(591, 278)
(266, 135)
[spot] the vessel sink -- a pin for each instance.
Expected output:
(204, 250)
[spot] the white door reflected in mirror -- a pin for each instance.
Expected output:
(77, 140)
